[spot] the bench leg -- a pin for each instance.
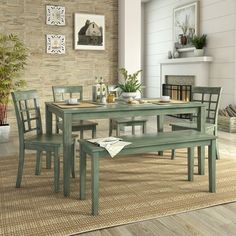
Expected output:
(95, 184)
(82, 174)
(201, 160)
(212, 166)
(190, 163)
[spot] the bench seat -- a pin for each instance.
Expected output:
(143, 144)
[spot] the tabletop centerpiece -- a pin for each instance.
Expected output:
(129, 85)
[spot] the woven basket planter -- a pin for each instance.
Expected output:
(227, 124)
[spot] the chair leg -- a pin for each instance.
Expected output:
(133, 129)
(73, 161)
(201, 160)
(81, 134)
(110, 127)
(20, 167)
(56, 170)
(217, 147)
(94, 132)
(144, 128)
(117, 129)
(172, 154)
(38, 163)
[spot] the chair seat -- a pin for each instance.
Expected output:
(80, 125)
(44, 141)
(131, 121)
(190, 125)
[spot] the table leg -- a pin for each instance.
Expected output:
(82, 174)
(212, 166)
(190, 163)
(160, 125)
(67, 146)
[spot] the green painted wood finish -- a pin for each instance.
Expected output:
(123, 122)
(142, 144)
(60, 93)
(29, 121)
(210, 96)
(109, 111)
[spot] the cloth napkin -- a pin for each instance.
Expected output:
(112, 144)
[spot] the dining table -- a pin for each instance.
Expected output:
(119, 109)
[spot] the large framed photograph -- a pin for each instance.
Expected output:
(89, 31)
(185, 25)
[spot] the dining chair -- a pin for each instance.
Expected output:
(31, 135)
(61, 93)
(118, 123)
(210, 96)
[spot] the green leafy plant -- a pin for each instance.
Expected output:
(199, 42)
(130, 82)
(13, 55)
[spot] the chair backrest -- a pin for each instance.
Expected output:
(27, 112)
(61, 93)
(210, 96)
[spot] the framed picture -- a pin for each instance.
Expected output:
(55, 44)
(55, 15)
(89, 31)
(185, 25)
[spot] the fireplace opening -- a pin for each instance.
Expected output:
(179, 87)
(177, 92)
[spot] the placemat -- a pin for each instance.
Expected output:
(168, 102)
(80, 105)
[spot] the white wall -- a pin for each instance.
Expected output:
(217, 20)
(129, 34)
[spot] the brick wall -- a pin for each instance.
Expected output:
(26, 18)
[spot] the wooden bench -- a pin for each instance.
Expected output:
(143, 144)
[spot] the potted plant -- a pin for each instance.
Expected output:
(12, 60)
(129, 85)
(199, 42)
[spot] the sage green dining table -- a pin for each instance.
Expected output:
(116, 110)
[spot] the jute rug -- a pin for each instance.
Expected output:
(131, 189)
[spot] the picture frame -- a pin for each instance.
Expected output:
(89, 31)
(55, 44)
(55, 15)
(185, 25)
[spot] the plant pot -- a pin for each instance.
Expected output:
(198, 52)
(4, 133)
(128, 95)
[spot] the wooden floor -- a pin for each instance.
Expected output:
(219, 220)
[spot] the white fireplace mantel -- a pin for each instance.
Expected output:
(198, 67)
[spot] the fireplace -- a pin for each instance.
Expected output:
(185, 71)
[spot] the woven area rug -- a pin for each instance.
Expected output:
(131, 189)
